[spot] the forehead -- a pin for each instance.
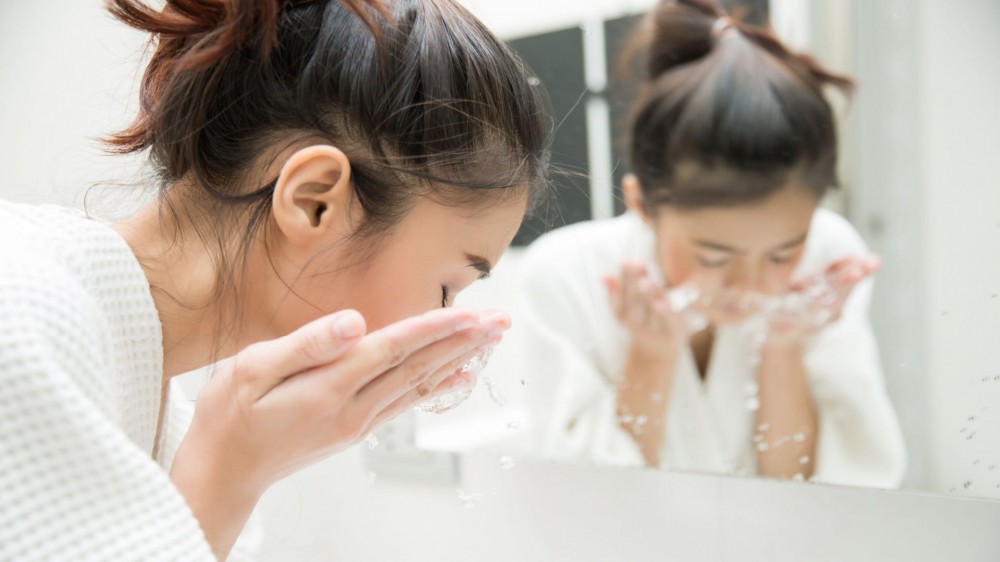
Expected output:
(780, 218)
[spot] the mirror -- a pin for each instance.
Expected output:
(917, 184)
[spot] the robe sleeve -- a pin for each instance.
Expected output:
(572, 403)
(859, 441)
(73, 486)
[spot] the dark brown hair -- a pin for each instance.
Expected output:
(727, 117)
(419, 95)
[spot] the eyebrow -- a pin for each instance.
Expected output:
(724, 248)
(480, 264)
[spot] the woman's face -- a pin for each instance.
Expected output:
(428, 257)
(734, 254)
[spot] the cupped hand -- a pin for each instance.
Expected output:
(818, 301)
(280, 405)
(641, 305)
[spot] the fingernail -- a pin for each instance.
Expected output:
(350, 325)
(495, 331)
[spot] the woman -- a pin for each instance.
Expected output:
(719, 324)
(330, 172)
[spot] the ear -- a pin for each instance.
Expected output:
(313, 195)
(633, 196)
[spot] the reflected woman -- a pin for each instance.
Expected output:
(721, 323)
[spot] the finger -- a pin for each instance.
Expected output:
(384, 349)
(449, 377)
(613, 286)
(641, 308)
(423, 364)
(318, 342)
(455, 380)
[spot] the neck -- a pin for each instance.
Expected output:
(183, 282)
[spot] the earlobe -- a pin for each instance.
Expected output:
(313, 194)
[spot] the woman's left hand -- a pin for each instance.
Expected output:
(817, 301)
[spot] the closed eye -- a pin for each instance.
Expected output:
(712, 263)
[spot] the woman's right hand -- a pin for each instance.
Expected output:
(280, 405)
(642, 307)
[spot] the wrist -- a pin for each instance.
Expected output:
(208, 485)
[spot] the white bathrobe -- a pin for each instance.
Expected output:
(81, 376)
(576, 351)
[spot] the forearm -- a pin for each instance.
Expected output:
(786, 420)
(221, 502)
(642, 406)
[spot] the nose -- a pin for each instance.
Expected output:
(744, 278)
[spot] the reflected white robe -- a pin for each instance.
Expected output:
(576, 351)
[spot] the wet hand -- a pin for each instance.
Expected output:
(281, 405)
(641, 306)
(817, 301)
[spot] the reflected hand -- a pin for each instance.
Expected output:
(642, 307)
(818, 301)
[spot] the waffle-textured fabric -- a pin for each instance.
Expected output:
(80, 384)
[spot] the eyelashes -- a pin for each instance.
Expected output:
(444, 296)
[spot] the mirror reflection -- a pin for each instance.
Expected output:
(747, 282)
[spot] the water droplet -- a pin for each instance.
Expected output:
(372, 441)
(970, 436)
(753, 404)
(994, 295)
(751, 388)
(992, 467)
(972, 418)
(469, 499)
(656, 397)
(944, 313)
(627, 418)
(952, 491)
(371, 477)
(963, 430)
(967, 485)
(506, 462)
(513, 424)
(804, 459)
(534, 81)
(764, 427)
(641, 420)
(799, 477)
(757, 438)
(975, 462)
(524, 382)
(799, 437)
(763, 446)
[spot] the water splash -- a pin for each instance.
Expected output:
(469, 500)
(372, 441)
(506, 462)
(451, 399)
